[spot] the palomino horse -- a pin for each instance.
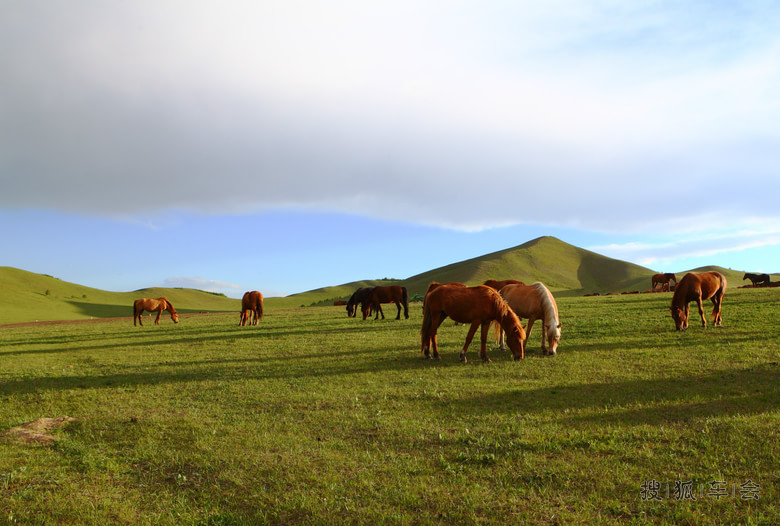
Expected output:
(480, 306)
(757, 279)
(252, 302)
(386, 294)
(498, 285)
(663, 279)
(535, 302)
(698, 287)
(359, 296)
(152, 305)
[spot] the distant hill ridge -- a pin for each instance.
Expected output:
(566, 269)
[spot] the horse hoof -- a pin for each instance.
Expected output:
(518, 358)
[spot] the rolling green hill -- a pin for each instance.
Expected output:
(566, 269)
(36, 297)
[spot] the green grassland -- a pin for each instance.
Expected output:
(312, 417)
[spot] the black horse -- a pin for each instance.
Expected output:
(359, 296)
(759, 280)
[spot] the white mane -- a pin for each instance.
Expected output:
(549, 306)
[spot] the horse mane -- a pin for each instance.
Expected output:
(169, 306)
(506, 314)
(550, 312)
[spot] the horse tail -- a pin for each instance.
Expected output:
(260, 308)
(425, 330)
(405, 301)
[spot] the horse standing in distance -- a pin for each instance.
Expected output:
(252, 302)
(535, 302)
(359, 296)
(152, 305)
(386, 294)
(698, 287)
(480, 306)
(498, 285)
(758, 280)
(663, 279)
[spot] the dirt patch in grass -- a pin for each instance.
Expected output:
(38, 431)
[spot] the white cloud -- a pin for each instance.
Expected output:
(470, 115)
(207, 285)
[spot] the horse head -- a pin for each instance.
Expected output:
(553, 337)
(680, 318)
(515, 338)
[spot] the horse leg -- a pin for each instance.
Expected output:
(483, 341)
(531, 321)
(716, 317)
(701, 312)
(398, 304)
(137, 315)
(379, 311)
(469, 337)
(157, 319)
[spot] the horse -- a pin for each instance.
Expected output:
(152, 305)
(252, 302)
(435, 285)
(661, 279)
(698, 287)
(535, 302)
(480, 306)
(498, 285)
(757, 279)
(386, 294)
(359, 296)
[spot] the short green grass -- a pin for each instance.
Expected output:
(313, 418)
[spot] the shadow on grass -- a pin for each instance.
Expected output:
(746, 391)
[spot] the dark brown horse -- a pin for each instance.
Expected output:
(663, 279)
(386, 294)
(758, 280)
(498, 285)
(480, 306)
(698, 287)
(251, 303)
(152, 305)
(359, 296)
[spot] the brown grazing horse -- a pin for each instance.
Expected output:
(757, 279)
(152, 305)
(535, 302)
(663, 279)
(252, 302)
(386, 294)
(698, 287)
(359, 296)
(480, 306)
(498, 285)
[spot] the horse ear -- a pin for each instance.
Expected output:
(560, 325)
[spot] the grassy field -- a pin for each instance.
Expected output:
(313, 418)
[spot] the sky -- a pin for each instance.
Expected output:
(286, 146)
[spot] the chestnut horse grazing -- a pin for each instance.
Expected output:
(252, 302)
(359, 296)
(152, 305)
(535, 302)
(698, 287)
(498, 285)
(480, 306)
(663, 279)
(389, 294)
(757, 279)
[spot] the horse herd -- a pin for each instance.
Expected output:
(499, 303)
